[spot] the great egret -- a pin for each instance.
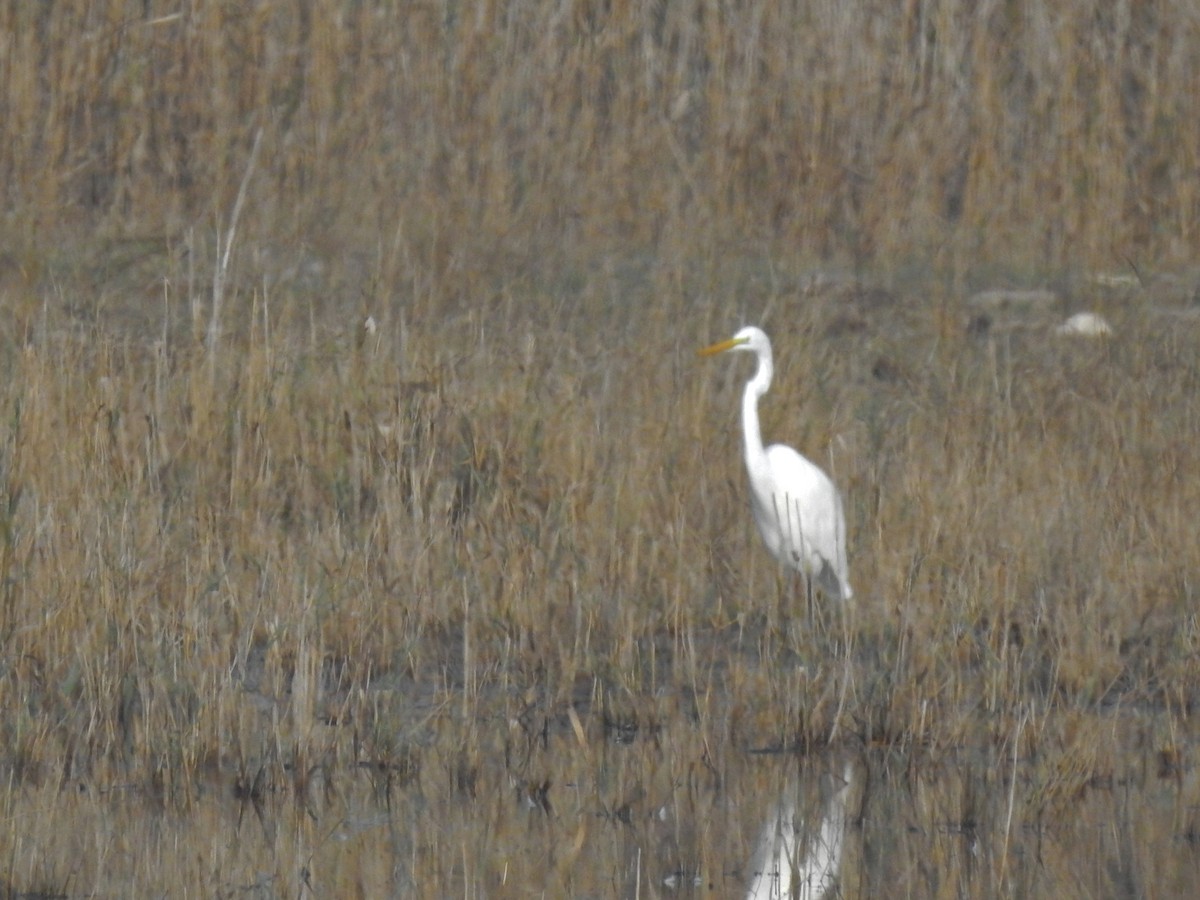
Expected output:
(797, 508)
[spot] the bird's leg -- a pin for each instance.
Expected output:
(778, 621)
(847, 671)
(818, 625)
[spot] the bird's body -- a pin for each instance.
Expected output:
(796, 507)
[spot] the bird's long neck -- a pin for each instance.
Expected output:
(751, 432)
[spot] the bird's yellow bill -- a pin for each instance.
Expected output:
(721, 347)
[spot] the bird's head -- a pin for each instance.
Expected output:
(749, 339)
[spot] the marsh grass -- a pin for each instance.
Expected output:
(469, 601)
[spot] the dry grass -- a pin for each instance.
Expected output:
(470, 603)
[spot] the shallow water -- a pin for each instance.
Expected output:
(586, 809)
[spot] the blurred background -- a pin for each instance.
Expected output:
(424, 153)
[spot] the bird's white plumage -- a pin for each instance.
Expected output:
(796, 507)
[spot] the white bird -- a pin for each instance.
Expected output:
(796, 507)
